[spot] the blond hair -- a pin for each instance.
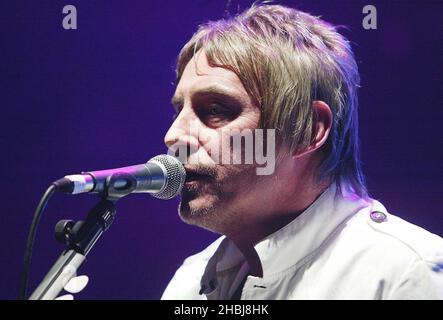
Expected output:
(286, 59)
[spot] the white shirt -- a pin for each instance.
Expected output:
(341, 247)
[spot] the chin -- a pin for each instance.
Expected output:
(200, 211)
(197, 207)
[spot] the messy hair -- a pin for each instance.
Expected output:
(286, 59)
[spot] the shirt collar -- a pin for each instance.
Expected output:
(299, 239)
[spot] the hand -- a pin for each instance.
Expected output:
(75, 285)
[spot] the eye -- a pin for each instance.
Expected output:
(216, 110)
(214, 114)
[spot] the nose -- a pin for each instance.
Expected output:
(183, 134)
(173, 134)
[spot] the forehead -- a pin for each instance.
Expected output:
(198, 75)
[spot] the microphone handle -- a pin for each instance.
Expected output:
(148, 178)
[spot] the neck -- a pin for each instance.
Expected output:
(270, 213)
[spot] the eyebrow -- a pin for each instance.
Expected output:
(213, 91)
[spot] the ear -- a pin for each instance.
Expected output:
(321, 126)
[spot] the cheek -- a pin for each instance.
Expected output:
(230, 147)
(238, 139)
(226, 145)
(209, 141)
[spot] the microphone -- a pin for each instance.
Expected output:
(163, 177)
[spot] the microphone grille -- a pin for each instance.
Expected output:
(175, 176)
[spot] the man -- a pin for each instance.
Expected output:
(308, 230)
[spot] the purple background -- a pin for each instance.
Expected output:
(98, 98)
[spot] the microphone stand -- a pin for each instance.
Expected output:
(79, 237)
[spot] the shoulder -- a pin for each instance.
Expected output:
(390, 231)
(185, 284)
(405, 259)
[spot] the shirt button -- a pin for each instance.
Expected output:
(378, 216)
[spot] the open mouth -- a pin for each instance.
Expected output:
(198, 179)
(193, 174)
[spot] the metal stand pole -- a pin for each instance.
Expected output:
(80, 239)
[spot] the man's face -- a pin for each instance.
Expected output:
(212, 106)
